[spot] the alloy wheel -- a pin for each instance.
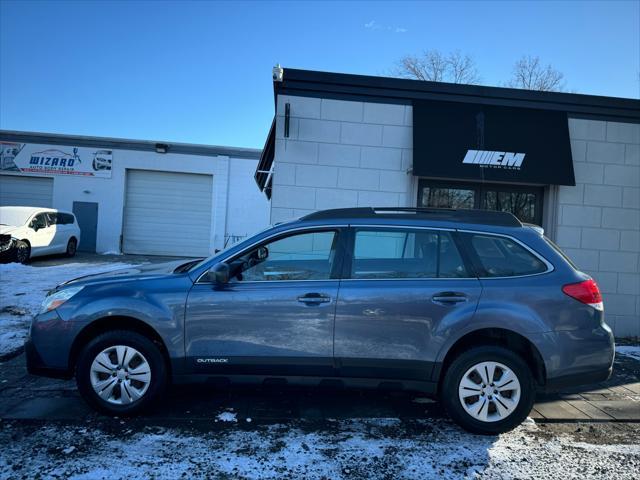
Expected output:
(489, 391)
(22, 253)
(120, 375)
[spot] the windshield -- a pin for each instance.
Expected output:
(13, 216)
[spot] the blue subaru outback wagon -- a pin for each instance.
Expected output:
(471, 306)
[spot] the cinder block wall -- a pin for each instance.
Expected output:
(341, 154)
(599, 218)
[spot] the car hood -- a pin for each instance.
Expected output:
(5, 229)
(137, 272)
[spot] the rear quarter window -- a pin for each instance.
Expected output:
(503, 257)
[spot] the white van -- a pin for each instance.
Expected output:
(39, 231)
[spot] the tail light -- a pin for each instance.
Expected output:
(586, 292)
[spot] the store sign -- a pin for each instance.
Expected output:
(491, 143)
(55, 160)
(492, 159)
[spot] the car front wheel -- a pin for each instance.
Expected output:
(120, 372)
(488, 390)
(23, 252)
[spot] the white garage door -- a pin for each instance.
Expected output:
(26, 191)
(167, 213)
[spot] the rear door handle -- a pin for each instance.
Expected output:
(314, 298)
(449, 298)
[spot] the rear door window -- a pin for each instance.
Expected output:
(503, 257)
(400, 253)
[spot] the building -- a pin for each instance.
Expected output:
(567, 162)
(134, 196)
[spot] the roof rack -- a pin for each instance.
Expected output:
(487, 217)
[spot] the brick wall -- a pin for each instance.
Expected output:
(599, 218)
(341, 154)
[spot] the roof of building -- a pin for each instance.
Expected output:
(400, 90)
(486, 217)
(128, 144)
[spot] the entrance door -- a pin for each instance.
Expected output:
(87, 215)
(522, 201)
(275, 316)
(405, 287)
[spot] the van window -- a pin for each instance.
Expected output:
(53, 218)
(502, 257)
(400, 253)
(65, 218)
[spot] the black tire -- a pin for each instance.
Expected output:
(72, 246)
(143, 345)
(464, 362)
(23, 252)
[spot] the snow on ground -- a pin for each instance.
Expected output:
(358, 448)
(632, 351)
(22, 289)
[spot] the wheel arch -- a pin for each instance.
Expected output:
(499, 337)
(106, 324)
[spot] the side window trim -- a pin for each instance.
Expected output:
(477, 264)
(335, 268)
(349, 251)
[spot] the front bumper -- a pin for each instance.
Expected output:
(36, 366)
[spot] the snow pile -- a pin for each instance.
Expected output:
(632, 351)
(381, 448)
(22, 289)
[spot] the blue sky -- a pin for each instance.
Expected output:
(200, 72)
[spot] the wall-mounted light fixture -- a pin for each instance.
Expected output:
(86, 191)
(162, 147)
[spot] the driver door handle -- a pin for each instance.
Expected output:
(314, 298)
(449, 298)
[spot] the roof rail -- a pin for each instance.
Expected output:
(487, 217)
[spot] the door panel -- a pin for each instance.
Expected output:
(407, 288)
(262, 327)
(276, 314)
(391, 328)
(42, 240)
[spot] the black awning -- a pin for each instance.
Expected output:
(491, 143)
(265, 165)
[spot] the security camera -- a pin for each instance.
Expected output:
(278, 73)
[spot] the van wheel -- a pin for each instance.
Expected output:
(72, 246)
(488, 390)
(23, 252)
(121, 373)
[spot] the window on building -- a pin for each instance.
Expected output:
(502, 257)
(395, 253)
(524, 202)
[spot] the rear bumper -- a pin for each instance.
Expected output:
(568, 381)
(577, 357)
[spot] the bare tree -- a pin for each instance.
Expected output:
(435, 66)
(530, 74)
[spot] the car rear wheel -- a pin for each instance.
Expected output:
(72, 246)
(23, 252)
(488, 390)
(121, 372)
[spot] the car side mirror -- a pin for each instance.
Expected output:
(35, 227)
(219, 274)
